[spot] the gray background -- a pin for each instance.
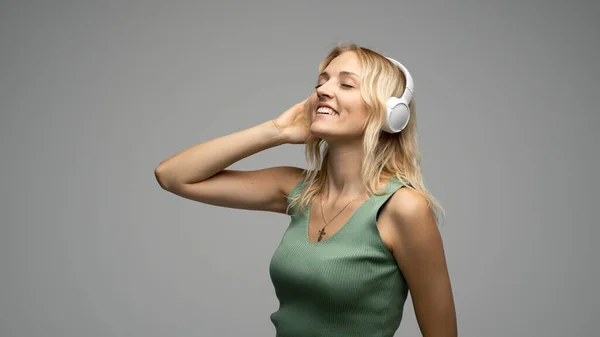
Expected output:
(93, 95)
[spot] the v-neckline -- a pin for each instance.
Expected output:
(309, 211)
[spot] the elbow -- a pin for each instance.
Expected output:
(162, 177)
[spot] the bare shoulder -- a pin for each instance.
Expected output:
(410, 215)
(289, 177)
(406, 202)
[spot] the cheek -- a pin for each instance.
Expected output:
(359, 109)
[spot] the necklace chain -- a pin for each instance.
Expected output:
(322, 230)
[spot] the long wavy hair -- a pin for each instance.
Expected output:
(385, 155)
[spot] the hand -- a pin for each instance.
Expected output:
(294, 124)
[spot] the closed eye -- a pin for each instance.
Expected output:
(343, 85)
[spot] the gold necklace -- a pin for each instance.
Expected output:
(322, 230)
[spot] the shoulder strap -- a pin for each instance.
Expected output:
(379, 200)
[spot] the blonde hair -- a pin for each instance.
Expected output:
(390, 155)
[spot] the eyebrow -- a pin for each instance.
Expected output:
(342, 73)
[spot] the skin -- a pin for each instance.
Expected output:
(406, 223)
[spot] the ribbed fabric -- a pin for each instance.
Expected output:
(347, 285)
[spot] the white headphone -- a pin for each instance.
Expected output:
(398, 112)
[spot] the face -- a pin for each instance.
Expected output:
(340, 111)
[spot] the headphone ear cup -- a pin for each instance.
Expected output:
(398, 114)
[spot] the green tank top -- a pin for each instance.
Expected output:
(347, 285)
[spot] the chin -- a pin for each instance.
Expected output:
(320, 133)
(329, 135)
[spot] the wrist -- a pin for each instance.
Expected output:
(274, 132)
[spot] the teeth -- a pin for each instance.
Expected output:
(325, 110)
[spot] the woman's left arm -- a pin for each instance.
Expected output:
(419, 252)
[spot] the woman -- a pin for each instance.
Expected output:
(363, 228)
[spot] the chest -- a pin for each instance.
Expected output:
(347, 268)
(321, 226)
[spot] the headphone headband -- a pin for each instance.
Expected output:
(398, 111)
(410, 85)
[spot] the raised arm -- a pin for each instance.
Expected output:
(199, 173)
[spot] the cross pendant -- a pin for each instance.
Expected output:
(321, 233)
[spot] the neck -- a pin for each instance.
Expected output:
(344, 171)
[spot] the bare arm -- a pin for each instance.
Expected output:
(419, 251)
(199, 173)
(204, 160)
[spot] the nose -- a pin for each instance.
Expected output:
(324, 91)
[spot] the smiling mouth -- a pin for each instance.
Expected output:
(326, 111)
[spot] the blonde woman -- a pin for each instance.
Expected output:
(364, 229)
